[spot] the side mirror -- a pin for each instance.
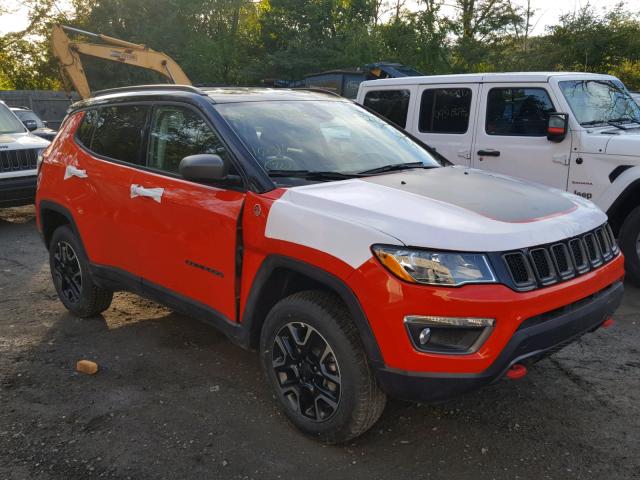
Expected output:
(31, 125)
(557, 126)
(203, 168)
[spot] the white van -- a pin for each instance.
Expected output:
(509, 123)
(19, 151)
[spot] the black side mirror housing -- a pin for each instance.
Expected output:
(557, 126)
(31, 125)
(203, 168)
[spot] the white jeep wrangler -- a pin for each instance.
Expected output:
(510, 123)
(19, 151)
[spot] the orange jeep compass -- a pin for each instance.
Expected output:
(353, 257)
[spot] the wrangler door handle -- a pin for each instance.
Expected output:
(72, 171)
(489, 153)
(153, 193)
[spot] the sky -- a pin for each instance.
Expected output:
(547, 12)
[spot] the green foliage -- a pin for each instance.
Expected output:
(251, 41)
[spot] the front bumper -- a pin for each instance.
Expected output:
(17, 191)
(535, 338)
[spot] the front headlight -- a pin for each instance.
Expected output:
(435, 268)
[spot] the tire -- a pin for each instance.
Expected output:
(629, 240)
(72, 278)
(330, 391)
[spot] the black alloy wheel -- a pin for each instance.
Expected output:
(68, 272)
(72, 276)
(307, 371)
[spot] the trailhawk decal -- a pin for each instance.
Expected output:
(345, 218)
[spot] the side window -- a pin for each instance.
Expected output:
(177, 132)
(518, 111)
(119, 131)
(391, 104)
(85, 131)
(445, 110)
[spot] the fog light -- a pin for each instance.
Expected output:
(425, 334)
(448, 335)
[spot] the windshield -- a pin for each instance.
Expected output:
(321, 136)
(9, 123)
(26, 115)
(597, 102)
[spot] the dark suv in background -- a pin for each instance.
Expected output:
(33, 123)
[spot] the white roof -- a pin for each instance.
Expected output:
(505, 77)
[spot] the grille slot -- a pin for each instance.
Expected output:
(542, 265)
(519, 269)
(592, 250)
(17, 160)
(612, 238)
(546, 264)
(579, 255)
(604, 242)
(562, 260)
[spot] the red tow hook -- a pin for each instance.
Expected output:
(516, 371)
(608, 323)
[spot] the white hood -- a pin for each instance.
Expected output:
(451, 208)
(612, 141)
(625, 142)
(19, 141)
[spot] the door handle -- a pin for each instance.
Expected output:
(489, 153)
(466, 154)
(72, 171)
(562, 159)
(139, 191)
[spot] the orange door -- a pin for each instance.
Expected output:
(186, 238)
(186, 233)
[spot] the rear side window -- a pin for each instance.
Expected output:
(177, 132)
(518, 112)
(391, 104)
(85, 130)
(118, 132)
(445, 110)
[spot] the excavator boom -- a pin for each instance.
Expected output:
(67, 52)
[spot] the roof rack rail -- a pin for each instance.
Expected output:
(136, 88)
(318, 90)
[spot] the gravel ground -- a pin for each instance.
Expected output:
(175, 399)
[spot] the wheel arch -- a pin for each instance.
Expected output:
(279, 277)
(623, 205)
(53, 215)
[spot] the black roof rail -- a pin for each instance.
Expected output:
(138, 88)
(319, 90)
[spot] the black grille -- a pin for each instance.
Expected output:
(16, 160)
(593, 252)
(547, 264)
(542, 265)
(519, 269)
(562, 260)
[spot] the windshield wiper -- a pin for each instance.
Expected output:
(394, 167)
(593, 122)
(311, 174)
(623, 120)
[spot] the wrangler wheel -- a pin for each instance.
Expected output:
(629, 239)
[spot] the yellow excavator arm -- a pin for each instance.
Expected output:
(67, 52)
